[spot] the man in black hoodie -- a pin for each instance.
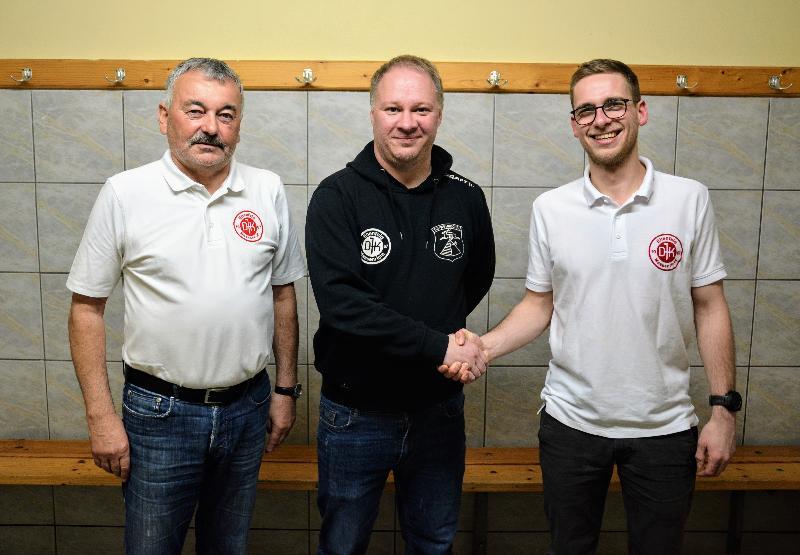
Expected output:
(400, 250)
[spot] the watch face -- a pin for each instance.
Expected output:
(733, 401)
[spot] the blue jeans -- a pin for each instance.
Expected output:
(186, 455)
(657, 475)
(357, 449)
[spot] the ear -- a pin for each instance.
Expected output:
(641, 111)
(575, 127)
(163, 114)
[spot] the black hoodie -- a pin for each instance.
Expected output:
(394, 270)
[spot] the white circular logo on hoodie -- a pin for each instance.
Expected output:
(375, 246)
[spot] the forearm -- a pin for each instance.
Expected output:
(524, 323)
(715, 337)
(87, 340)
(286, 336)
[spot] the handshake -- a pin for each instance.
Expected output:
(466, 358)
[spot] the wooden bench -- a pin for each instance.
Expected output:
(488, 470)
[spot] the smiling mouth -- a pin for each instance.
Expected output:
(608, 135)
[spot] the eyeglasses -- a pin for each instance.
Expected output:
(613, 108)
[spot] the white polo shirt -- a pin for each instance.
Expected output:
(623, 317)
(197, 269)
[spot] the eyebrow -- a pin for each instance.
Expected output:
(192, 102)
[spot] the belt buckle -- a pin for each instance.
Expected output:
(211, 391)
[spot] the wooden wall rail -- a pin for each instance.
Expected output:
(354, 76)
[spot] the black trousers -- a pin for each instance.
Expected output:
(657, 475)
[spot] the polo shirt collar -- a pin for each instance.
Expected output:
(643, 193)
(179, 181)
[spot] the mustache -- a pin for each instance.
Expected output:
(206, 139)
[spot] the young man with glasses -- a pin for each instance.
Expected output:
(624, 266)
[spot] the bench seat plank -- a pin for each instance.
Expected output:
(294, 467)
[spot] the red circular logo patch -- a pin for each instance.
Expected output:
(248, 226)
(666, 252)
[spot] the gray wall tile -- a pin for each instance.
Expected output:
(20, 316)
(533, 142)
(26, 505)
(737, 215)
(274, 133)
(783, 144)
(79, 540)
(144, 142)
(754, 543)
(288, 510)
(478, 319)
(23, 397)
(709, 511)
(771, 511)
(657, 137)
(721, 141)
(289, 542)
(56, 300)
(78, 135)
(776, 324)
(18, 239)
(504, 295)
(512, 400)
(779, 254)
(466, 133)
(89, 506)
(516, 512)
(66, 409)
(772, 408)
(27, 540)
(338, 128)
(16, 136)
(63, 210)
(517, 543)
(704, 542)
(511, 218)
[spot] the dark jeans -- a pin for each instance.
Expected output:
(185, 455)
(357, 449)
(657, 475)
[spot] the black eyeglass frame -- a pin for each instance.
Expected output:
(601, 107)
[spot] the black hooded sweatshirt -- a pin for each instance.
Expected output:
(394, 270)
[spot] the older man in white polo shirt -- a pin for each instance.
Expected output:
(625, 268)
(208, 257)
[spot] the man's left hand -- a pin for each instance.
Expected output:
(717, 443)
(281, 419)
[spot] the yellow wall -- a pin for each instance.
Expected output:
(672, 32)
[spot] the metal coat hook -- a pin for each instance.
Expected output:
(119, 76)
(307, 77)
(682, 82)
(27, 75)
(775, 83)
(495, 79)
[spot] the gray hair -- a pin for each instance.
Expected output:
(210, 67)
(413, 62)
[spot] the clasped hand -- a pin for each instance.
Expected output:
(466, 359)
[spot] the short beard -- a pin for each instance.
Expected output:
(618, 159)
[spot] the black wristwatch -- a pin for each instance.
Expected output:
(731, 400)
(294, 392)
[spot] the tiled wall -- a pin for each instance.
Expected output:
(57, 148)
